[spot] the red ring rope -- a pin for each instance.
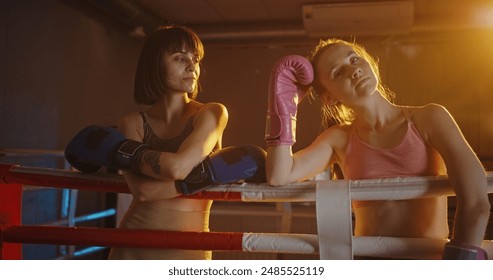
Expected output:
(122, 237)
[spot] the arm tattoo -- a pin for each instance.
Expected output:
(152, 159)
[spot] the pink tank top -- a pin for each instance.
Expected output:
(411, 157)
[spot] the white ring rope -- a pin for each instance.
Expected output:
(370, 189)
(363, 246)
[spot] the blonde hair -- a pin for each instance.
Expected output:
(339, 113)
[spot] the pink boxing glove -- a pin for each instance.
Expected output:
(284, 96)
(457, 251)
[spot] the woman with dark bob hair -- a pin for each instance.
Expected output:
(180, 131)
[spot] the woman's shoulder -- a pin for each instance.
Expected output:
(430, 118)
(337, 135)
(214, 108)
(340, 128)
(131, 125)
(130, 119)
(429, 108)
(427, 112)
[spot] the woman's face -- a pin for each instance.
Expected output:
(344, 75)
(183, 71)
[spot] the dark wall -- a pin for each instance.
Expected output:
(59, 71)
(239, 78)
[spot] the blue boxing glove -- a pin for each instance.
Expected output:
(456, 251)
(228, 165)
(97, 146)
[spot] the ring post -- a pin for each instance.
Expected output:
(10, 214)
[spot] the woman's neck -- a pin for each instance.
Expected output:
(376, 115)
(169, 107)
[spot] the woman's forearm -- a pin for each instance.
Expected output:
(279, 163)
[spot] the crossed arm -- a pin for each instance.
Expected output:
(160, 170)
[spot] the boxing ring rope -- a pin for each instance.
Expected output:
(383, 189)
(247, 242)
(375, 189)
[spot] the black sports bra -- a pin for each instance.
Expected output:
(170, 145)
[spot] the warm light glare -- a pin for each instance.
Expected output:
(483, 16)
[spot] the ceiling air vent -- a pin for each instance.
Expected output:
(346, 19)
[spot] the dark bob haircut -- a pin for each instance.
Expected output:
(150, 74)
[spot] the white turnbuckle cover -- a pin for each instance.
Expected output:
(334, 223)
